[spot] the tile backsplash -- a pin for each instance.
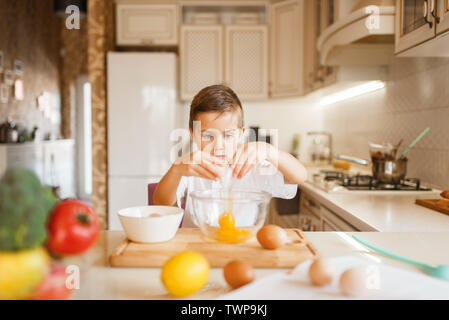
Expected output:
(416, 96)
(29, 32)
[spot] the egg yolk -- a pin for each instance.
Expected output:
(227, 221)
(228, 232)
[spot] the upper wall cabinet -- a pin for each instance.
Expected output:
(422, 28)
(233, 55)
(414, 24)
(147, 24)
(201, 53)
(443, 14)
(224, 42)
(246, 61)
(286, 56)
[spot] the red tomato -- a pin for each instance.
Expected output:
(53, 287)
(73, 228)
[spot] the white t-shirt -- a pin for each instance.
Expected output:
(263, 177)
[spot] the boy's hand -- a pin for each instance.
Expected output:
(199, 164)
(248, 155)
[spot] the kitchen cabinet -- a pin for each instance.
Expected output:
(309, 213)
(318, 15)
(59, 166)
(314, 216)
(201, 53)
(53, 162)
(414, 23)
(235, 55)
(422, 27)
(443, 14)
(310, 51)
(286, 66)
(325, 13)
(246, 60)
(146, 24)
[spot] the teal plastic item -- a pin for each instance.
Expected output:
(439, 271)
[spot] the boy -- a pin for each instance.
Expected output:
(216, 126)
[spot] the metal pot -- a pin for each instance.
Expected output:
(389, 171)
(384, 171)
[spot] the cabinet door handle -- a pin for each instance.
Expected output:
(426, 13)
(433, 11)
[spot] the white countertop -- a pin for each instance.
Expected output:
(99, 281)
(381, 211)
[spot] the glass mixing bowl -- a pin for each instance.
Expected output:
(230, 217)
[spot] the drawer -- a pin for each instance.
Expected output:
(333, 222)
(310, 204)
(308, 221)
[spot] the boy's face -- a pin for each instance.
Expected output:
(218, 133)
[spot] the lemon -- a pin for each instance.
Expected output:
(185, 273)
(21, 272)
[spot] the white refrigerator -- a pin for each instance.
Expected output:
(140, 117)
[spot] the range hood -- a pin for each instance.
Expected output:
(363, 37)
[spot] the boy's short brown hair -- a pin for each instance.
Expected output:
(216, 98)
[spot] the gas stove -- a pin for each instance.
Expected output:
(338, 181)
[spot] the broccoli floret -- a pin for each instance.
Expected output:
(24, 207)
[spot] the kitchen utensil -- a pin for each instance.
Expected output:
(150, 224)
(432, 204)
(382, 151)
(389, 171)
(437, 271)
(248, 208)
(131, 254)
(413, 143)
(385, 170)
(355, 160)
(396, 147)
(321, 150)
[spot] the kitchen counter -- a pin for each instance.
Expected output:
(99, 281)
(380, 211)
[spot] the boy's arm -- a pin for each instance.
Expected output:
(196, 164)
(249, 154)
(165, 193)
(294, 172)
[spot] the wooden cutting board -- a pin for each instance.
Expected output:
(153, 255)
(432, 204)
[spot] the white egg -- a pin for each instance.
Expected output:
(361, 281)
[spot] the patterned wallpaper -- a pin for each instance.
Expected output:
(100, 40)
(29, 32)
(73, 64)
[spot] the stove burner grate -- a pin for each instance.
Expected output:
(367, 182)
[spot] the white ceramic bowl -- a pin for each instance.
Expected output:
(140, 226)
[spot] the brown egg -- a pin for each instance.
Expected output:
(321, 272)
(353, 282)
(271, 237)
(238, 273)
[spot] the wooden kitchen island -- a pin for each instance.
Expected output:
(100, 281)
